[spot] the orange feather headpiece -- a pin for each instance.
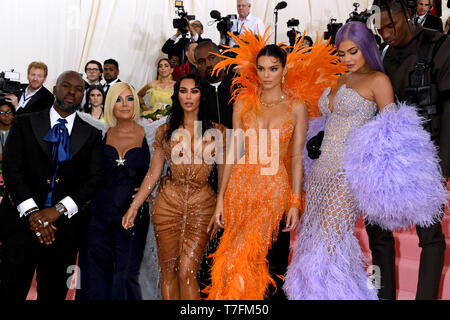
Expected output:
(309, 70)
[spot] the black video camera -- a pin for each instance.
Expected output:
(293, 33)
(7, 86)
(332, 29)
(363, 16)
(181, 24)
(224, 24)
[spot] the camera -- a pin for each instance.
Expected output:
(7, 86)
(332, 29)
(181, 24)
(363, 17)
(224, 24)
(293, 33)
(292, 23)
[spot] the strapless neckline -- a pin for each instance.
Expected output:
(344, 86)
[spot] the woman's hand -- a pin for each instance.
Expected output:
(292, 220)
(217, 219)
(128, 218)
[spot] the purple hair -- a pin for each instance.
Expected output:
(359, 33)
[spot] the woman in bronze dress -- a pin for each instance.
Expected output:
(185, 201)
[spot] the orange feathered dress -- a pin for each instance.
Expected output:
(254, 204)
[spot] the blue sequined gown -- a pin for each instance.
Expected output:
(328, 263)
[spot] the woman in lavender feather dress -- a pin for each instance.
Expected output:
(361, 168)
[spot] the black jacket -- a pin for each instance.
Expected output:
(434, 23)
(43, 99)
(400, 62)
(220, 108)
(27, 170)
(171, 47)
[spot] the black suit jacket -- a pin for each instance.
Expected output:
(27, 171)
(42, 100)
(434, 23)
(218, 100)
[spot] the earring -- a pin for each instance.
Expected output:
(283, 79)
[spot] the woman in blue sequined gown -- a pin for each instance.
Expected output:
(328, 262)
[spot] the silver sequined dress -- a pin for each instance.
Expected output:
(328, 262)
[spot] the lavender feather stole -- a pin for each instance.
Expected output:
(315, 126)
(393, 170)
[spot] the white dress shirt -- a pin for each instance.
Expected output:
(24, 98)
(251, 23)
(68, 202)
(107, 85)
(420, 19)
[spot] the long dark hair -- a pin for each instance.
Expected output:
(176, 116)
(87, 107)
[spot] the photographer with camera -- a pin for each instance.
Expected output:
(35, 97)
(184, 24)
(245, 19)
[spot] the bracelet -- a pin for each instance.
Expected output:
(295, 201)
(31, 211)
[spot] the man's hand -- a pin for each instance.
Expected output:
(11, 98)
(42, 223)
(190, 28)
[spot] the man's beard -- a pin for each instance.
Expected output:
(65, 107)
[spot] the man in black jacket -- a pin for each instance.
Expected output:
(220, 108)
(35, 97)
(418, 64)
(425, 18)
(52, 166)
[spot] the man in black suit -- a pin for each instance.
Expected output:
(35, 97)
(425, 18)
(52, 166)
(111, 73)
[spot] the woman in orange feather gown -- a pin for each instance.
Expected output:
(271, 107)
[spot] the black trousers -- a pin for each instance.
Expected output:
(23, 255)
(113, 260)
(432, 242)
(278, 257)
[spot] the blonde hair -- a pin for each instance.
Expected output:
(38, 65)
(111, 98)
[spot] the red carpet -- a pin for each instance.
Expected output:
(407, 261)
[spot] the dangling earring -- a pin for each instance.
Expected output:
(283, 79)
(159, 77)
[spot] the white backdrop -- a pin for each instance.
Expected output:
(65, 34)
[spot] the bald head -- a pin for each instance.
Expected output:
(69, 73)
(69, 92)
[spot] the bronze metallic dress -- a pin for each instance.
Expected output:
(183, 207)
